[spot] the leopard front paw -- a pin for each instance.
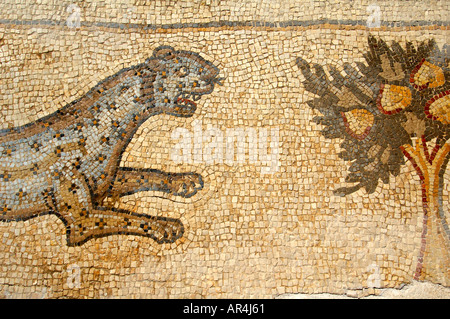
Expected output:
(186, 185)
(166, 230)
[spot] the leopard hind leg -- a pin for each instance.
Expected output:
(85, 220)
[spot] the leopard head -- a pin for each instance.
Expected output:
(177, 80)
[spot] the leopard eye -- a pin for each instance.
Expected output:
(123, 89)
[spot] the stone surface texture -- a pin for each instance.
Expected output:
(264, 219)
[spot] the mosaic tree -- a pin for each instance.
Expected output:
(392, 109)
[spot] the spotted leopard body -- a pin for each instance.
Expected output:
(68, 162)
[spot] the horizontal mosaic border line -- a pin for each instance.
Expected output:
(218, 24)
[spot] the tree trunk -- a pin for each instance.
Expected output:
(433, 262)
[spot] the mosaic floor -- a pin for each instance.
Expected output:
(223, 149)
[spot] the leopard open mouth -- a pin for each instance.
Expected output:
(191, 96)
(185, 107)
(185, 102)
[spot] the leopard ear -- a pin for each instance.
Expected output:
(164, 52)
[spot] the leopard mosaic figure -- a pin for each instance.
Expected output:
(67, 163)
